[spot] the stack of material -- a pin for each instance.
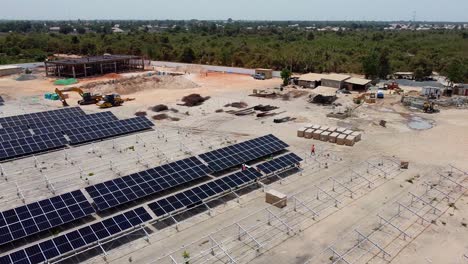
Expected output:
(340, 140)
(309, 133)
(316, 134)
(332, 137)
(338, 135)
(301, 131)
(276, 198)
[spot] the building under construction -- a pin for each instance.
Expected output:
(92, 66)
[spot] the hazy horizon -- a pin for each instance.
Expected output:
(260, 10)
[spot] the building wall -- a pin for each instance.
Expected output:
(332, 83)
(5, 72)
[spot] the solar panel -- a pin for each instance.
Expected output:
(237, 154)
(39, 216)
(196, 195)
(59, 125)
(279, 163)
(32, 118)
(104, 130)
(29, 145)
(128, 188)
(67, 243)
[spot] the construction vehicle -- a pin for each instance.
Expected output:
(111, 100)
(428, 107)
(391, 86)
(87, 97)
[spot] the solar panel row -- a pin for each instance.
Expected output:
(74, 240)
(40, 216)
(279, 163)
(29, 145)
(19, 120)
(90, 133)
(8, 130)
(237, 154)
(78, 121)
(122, 190)
(15, 135)
(195, 195)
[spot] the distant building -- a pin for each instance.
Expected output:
(335, 80)
(404, 75)
(54, 29)
(357, 84)
(310, 80)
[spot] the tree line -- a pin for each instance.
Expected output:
(372, 52)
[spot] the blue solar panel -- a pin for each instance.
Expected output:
(30, 145)
(32, 118)
(59, 125)
(279, 163)
(104, 130)
(40, 216)
(195, 195)
(224, 158)
(122, 190)
(85, 236)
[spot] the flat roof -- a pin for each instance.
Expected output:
(312, 77)
(94, 59)
(260, 69)
(336, 77)
(404, 73)
(358, 81)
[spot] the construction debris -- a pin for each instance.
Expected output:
(283, 120)
(237, 105)
(141, 113)
(322, 99)
(265, 108)
(194, 100)
(159, 108)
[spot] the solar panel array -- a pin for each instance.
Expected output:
(30, 145)
(237, 154)
(40, 216)
(99, 131)
(279, 163)
(37, 132)
(196, 195)
(128, 188)
(77, 239)
(19, 120)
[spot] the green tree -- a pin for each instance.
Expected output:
(370, 65)
(188, 55)
(456, 72)
(65, 29)
(285, 75)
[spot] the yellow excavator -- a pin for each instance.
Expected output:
(111, 100)
(87, 97)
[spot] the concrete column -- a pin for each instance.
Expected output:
(46, 70)
(85, 74)
(73, 69)
(58, 67)
(115, 67)
(102, 71)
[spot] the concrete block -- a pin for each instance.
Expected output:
(324, 136)
(332, 129)
(332, 137)
(276, 198)
(357, 135)
(348, 132)
(315, 127)
(341, 129)
(340, 140)
(316, 134)
(404, 165)
(301, 131)
(350, 140)
(324, 128)
(308, 133)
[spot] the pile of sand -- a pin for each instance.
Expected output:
(135, 84)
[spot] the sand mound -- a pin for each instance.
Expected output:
(135, 84)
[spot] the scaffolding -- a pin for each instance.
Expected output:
(92, 66)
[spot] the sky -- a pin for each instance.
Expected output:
(363, 10)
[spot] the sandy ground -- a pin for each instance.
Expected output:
(427, 151)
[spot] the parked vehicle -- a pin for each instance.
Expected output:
(259, 76)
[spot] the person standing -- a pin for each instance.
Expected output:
(312, 150)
